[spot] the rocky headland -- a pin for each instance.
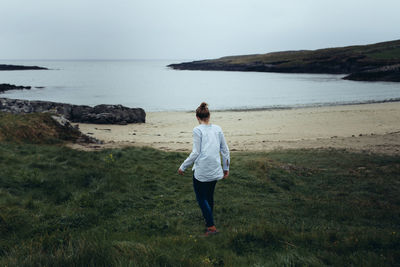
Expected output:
(20, 67)
(100, 114)
(375, 62)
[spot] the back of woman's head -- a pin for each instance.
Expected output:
(202, 111)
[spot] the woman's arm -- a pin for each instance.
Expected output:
(226, 159)
(195, 151)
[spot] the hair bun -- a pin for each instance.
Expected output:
(202, 111)
(203, 105)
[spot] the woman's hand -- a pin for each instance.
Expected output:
(226, 174)
(181, 172)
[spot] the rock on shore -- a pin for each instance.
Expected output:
(100, 114)
(7, 87)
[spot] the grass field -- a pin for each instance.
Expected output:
(128, 207)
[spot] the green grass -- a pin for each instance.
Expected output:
(386, 54)
(379, 51)
(128, 207)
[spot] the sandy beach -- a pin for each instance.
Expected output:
(367, 127)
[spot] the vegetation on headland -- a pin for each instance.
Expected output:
(128, 207)
(341, 60)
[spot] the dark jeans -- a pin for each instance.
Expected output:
(205, 197)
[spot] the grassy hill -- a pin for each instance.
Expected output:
(34, 128)
(128, 207)
(39, 128)
(340, 60)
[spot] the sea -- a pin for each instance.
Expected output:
(151, 85)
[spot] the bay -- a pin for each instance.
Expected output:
(149, 84)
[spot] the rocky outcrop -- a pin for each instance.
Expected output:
(6, 87)
(19, 67)
(386, 74)
(100, 114)
(73, 132)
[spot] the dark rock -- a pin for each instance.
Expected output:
(7, 87)
(73, 131)
(19, 67)
(101, 114)
(386, 74)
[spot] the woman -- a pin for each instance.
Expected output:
(208, 143)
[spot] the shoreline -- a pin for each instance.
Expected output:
(266, 108)
(304, 106)
(363, 127)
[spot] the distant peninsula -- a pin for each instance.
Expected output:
(20, 67)
(373, 62)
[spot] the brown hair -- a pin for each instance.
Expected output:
(202, 111)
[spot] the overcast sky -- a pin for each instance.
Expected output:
(188, 29)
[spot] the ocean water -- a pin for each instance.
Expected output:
(149, 84)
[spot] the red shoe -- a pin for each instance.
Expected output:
(212, 230)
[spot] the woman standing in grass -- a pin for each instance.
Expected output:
(208, 143)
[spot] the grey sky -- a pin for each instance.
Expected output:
(188, 29)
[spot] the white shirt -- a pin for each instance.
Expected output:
(208, 143)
